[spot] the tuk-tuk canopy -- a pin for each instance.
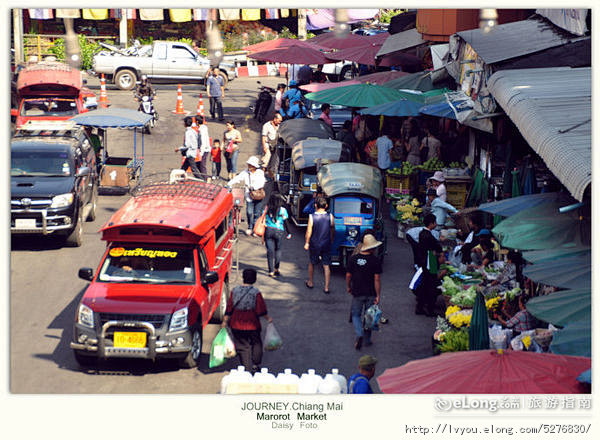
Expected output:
(309, 152)
(294, 130)
(112, 118)
(350, 177)
(44, 77)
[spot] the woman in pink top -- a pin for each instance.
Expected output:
(325, 110)
(278, 96)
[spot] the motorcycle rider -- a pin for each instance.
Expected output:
(144, 88)
(293, 106)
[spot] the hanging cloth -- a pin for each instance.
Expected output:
(180, 15)
(41, 14)
(95, 14)
(272, 13)
(250, 14)
(229, 14)
(285, 13)
(151, 14)
(115, 13)
(200, 14)
(130, 14)
(67, 13)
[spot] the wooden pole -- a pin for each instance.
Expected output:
(18, 35)
(302, 24)
(123, 29)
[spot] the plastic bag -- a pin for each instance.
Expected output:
(372, 317)
(229, 346)
(499, 337)
(217, 349)
(272, 339)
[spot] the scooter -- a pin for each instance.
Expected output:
(263, 102)
(147, 106)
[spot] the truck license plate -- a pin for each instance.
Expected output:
(353, 221)
(25, 223)
(130, 340)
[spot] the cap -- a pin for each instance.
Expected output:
(439, 176)
(369, 242)
(367, 361)
(293, 83)
(253, 161)
(483, 232)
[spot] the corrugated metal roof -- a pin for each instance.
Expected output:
(401, 41)
(552, 108)
(512, 40)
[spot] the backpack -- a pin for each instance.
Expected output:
(353, 382)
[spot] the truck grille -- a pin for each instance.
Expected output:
(32, 203)
(156, 320)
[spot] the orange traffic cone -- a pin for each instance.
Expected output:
(200, 109)
(179, 109)
(103, 97)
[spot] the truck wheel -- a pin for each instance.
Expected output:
(193, 357)
(125, 79)
(75, 238)
(92, 215)
(83, 360)
(220, 311)
(346, 73)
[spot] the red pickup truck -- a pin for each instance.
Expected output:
(51, 91)
(163, 277)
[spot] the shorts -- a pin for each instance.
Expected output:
(317, 254)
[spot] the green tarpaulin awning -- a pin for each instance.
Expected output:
(568, 250)
(358, 95)
(415, 81)
(562, 308)
(574, 272)
(514, 205)
(573, 340)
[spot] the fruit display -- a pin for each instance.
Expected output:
(456, 165)
(433, 164)
(454, 340)
(406, 170)
(407, 210)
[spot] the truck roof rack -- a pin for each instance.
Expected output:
(185, 188)
(49, 128)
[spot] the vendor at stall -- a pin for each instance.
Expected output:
(521, 321)
(412, 236)
(472, 240)
(437, 183)
(439, 208)
(484, 256)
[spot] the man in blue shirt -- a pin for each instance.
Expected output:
(215, 87)
(439, 208)
(359, 382)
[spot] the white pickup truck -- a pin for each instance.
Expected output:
(163, 61)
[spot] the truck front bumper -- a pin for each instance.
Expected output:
(34, 221)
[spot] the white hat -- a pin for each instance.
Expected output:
(253, 161)
(369, 242)
(439, 176)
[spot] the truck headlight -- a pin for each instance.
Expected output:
(179, 320)
(353, 233)
(62, 200)
(85, 316)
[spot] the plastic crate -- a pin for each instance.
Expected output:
(395, 181)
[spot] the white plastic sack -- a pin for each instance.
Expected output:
(229, 350)
(272, 339)
(372, 317)
(499, 337)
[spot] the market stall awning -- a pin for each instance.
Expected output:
(112, 118)
(561, 308)
(585, 377)
(541, 227)
(574, 272)
(358, 95)
(487, 372)
(330, 41)
(568, 250)
(414, 81)
(294, 130)
(292, 55)
(282, 43)
(551, 107)
(573, 340)
(439, 110)
(410, 105)
(514, 205)
(309, 152)
(401, 41)
(372, 78)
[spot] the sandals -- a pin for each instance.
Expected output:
(308, 285)
(326, 292)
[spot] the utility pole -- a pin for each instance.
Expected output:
(123, 28)
(302, 24)
(18, 35)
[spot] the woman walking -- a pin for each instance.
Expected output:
(411, 143)
(274, 232)
(232, 139)
(244, 309)
(253, 179)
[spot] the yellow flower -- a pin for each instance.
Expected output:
(452, 309)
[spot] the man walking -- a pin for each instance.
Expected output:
(204, 147)
(189, 150)
(359, 382)
(269, 140)
(429, 255)
(319, 236)
(215, 87)
(363, 282)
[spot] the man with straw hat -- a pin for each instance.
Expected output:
(363, 282)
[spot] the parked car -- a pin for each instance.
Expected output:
(338, 113)
(54, 181)
(164, 275)
(163, 61)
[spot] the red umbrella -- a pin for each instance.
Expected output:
(376, 39)
(487, 372)
(372, 78)
(363, 54)
(280, 43)
(329, 40)
(296, 55)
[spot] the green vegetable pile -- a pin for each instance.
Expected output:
(450, 268)
(464, 297)
(406, 170)
(511, 294)
(455, 340)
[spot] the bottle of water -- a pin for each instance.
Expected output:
(329, 385)
(264, 377)
(309, 382)
(287, 378)
(341, 379)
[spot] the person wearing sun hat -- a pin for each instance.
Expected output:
(359, 382)
(363, 283)
(437, 182)
(253, 178)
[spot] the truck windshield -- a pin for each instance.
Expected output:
(152, 264)
(354, 206)
(49, 107)
(40, 163)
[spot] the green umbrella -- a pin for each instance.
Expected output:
(358, 95)
(572, 272)
(562, 308)
(573, 340)
(479, 338)
(415, 81)
(544, 255)
(541, 227)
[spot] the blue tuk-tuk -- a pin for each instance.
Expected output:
(355, 199)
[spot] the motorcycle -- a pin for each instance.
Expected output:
(263, 102)
(147, 106)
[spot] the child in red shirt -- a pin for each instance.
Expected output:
(216, 158)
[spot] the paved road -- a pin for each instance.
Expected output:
(45, 289)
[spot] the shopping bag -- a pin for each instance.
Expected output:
(229, 346)
(217, 350)
(272, 339)
(261, 224)
(372, 317)
(229, 148)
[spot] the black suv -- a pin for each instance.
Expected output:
(54, 182)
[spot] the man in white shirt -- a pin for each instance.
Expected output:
(189, 150)
(270, 132)
(204, 143)
(253, 178)
(384, 148)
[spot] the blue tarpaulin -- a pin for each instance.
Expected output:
(573, 340)
(112, 118)
(514, 205)
(573, 272)
(585, 377)
(441, 110)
